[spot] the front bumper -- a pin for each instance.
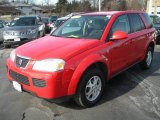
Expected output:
(9, 39)
(52, 83)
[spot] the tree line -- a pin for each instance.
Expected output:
(63, 7)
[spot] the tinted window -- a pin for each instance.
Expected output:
(59, 22)
(45, 20)
(122, 24)
(148, 20)
(24, 21)
(155, 19)
(1, 25)
(136, 22)
(53, 18)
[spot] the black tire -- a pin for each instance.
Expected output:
(44, 33)
(80, 96)
(145, 64)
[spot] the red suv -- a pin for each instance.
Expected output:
(80, 56)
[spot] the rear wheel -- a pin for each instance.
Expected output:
(90, 89)
(146, 63)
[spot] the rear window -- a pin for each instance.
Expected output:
(148, 20)
(23, 21)
(136, 22)
(45, 20)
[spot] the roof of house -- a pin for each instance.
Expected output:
(10, 9)
(37, 8)
(22, 5)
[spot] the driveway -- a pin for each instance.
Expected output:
(132, 95)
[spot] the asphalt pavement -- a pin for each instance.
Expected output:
(132, 95)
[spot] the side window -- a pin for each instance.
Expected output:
(148, 20)
(1, 25)
(122, 24)
(136, 22)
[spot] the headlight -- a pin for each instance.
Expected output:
(49, 65)
(6, 33)
(12, 55)
(40, 28)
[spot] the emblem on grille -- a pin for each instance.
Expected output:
(20, 62)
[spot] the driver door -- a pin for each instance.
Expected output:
(121, 54)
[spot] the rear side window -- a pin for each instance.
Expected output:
(122, 24)
(148, 20)
(136, 22)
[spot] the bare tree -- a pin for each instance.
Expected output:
(48, 4)
(124, 5)
(4, 1)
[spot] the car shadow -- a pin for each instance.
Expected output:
(121, 84)
(116, 87)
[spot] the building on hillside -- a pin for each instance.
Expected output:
(37, 10)
(26, 9)
(9, 10)
(153, 7)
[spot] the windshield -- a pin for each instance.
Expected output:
(53, 18)
(25, 21)
(59, 22)
(89, 27)
(155, 19)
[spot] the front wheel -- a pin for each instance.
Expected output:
(146, 63)
(90, 88)
(6, 45)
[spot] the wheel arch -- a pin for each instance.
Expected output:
(90, 62)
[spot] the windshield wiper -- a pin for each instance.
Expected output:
(56, 35)
(72, 36)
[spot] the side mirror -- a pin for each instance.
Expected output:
(119, 35)
(8, 24)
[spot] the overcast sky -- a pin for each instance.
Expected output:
(42, 1)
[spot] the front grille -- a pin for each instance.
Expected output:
(21, 62)
(38, 82)
(19, 78)
(18, 33)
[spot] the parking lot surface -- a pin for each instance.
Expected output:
(132, 95)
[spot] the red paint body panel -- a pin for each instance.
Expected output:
(79, 54)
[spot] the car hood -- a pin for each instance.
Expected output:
(55, 47)
(20, 28)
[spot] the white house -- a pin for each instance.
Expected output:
(37, 10)
(153, 7)
(26, 9)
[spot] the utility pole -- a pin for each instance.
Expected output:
(155, 7)
(150, 2)
(99, 5)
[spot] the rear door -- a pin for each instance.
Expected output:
(138, 35)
